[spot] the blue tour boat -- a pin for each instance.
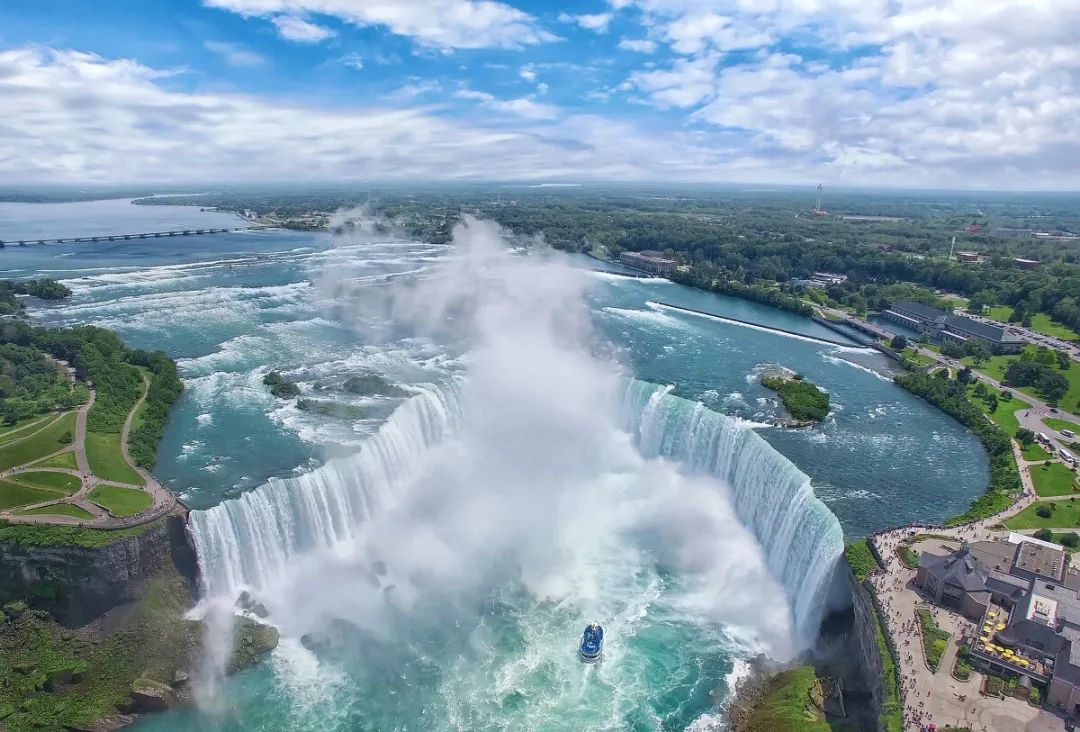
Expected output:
(592, 642)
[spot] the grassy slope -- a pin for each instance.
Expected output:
(60, 509)
(63, 460)
(1066, 513)
(1061, 424)
(106, 460)
(1005, 414)
(121, 501)
(56, 481)
(1053, 480)
(1035, 452)
(995, 369)
(13, 494)
(33, 448)
(22, 427)
(152, 645)
(1040, 323)
(786, 706)
(41, 535)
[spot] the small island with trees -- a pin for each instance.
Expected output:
(805, 402)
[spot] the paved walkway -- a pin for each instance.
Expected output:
(163, 499)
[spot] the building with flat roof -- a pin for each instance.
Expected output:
(1026, 263)
(1025, 599)
(944, 326)
(649, 261)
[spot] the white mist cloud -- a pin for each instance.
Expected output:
(538, 484)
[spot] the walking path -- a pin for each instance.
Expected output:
(163, 500)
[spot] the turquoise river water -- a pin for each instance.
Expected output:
(569, 449)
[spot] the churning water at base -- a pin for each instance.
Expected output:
(504, 657)
(802, 539)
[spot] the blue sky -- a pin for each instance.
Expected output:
(894, 92)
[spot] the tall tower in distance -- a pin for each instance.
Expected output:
(817, 210)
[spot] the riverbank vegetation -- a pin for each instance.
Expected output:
(861, 559)
(803, 400)
(32, 385)
(951, 397)
(792, 701)
(46, 289)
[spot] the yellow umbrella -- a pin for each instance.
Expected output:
(992, 613)
(1001, 626)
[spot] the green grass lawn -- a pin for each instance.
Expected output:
(121, 501)
(1053, 480)
(1005, 414)
(13, 494)
(1035, 452)
(1065, 513)
(63, 482)
(59, 509)
(63, 460)
(1040, 323)
(23, 427)
(1061, 424)
(43, 443)
(995, 369)
(106, 461)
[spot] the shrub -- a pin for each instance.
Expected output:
(1043, 512)
(1071, 540)
(1044, 535)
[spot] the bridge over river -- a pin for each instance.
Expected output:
(121, 237)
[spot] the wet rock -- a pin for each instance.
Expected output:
(105, 724)
(151, 696)
(179, 679)
(251, 642)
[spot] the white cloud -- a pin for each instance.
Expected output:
(297, 29)
(642, 45)
(595, 22)
(527, 72)
(688, 82)
(442, 24)
(522, 107)
(235, 54)
(353, 61)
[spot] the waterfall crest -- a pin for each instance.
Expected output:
(250, 540)
(801, 537)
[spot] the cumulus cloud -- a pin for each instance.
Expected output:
(911, 90)
(85, 118)
(595, 21)
(297, 29)
(444, 24)
(642, 45)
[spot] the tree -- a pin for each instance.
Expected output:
(1045, 356)
(966, 375)
(898, 343)
(1025, 436)
(992, 403)
(1006, 395)
(1052, 385)
(1071, 540)
(952, 350)
(1044, 535)
(1043, 512)
(1063, 360)
(977, 350)
(980, 301)
(980, 390)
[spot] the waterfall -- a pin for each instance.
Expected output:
(250, 540)
(801, 537)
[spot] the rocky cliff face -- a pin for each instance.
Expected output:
(78, 584)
